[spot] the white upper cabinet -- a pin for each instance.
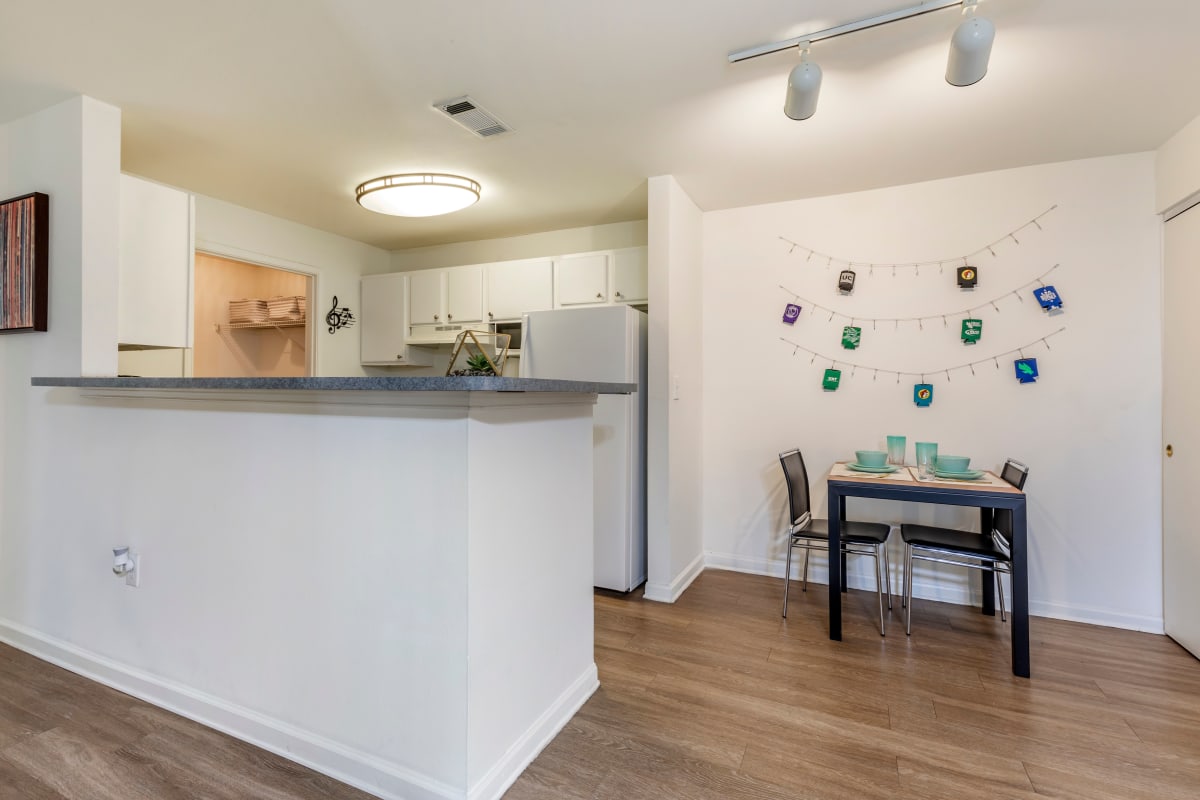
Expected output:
(425, 293)
(383, 328)
(464, 294)
(515, 287)
(442, 296)
(581, 280)
(629, 275)
(154, 300)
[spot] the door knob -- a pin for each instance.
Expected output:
(1170, 451)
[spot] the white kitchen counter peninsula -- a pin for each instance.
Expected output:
(388, 579)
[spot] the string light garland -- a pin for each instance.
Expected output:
(995, 359)
(920, 321)
(916, 265)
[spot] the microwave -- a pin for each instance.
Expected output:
(514, 330)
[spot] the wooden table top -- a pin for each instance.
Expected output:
(907, 475)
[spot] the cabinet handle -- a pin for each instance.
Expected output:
(490, 315)
(400, 357)
(449, 317)
(599, 296)
(1170, 451)
(436, 317)
(619, 295)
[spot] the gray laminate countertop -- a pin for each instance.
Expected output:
(348, 384)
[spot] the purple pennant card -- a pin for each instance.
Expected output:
(791, 313)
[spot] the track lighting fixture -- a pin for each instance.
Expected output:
(970, 49)
(804, 86)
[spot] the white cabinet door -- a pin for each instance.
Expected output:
(425, 296)
(382, 326)
(581, 280)
(629, 275)
(464, 294)
(515, 287)
(155, 274)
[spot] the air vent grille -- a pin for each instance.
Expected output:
(467, 113)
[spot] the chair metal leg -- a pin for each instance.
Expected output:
(908, 568)
(887, 570)
(804, 586)
(879, 590)
(787, 576)
(1000, 588)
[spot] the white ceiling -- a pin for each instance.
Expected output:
(286, 105)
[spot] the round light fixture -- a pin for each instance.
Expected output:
(420, 194)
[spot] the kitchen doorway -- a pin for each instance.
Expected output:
(251, 320)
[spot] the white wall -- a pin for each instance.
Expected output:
(536, 245)
(676, 370)
(337, 263)
(1177, 168)
(1089, 428)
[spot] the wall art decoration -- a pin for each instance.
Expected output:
(940, 263)
(1027, 370)
(972, 331)
(899, 373)
(968, 277)
(923, 395)
(338, 318)
(791, 313)
(851, 336)
(24, 263)
(920, 321)
(1048, 298)
(832, 379)
(846, 281)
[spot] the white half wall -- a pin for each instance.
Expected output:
(336, 262)
(674, 428)
(1177, 169)
(1089, 429)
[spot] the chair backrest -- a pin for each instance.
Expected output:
(1014, 473)
(796, 478)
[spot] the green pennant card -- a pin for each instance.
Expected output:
(851, 337)
(972, 330)
(833, 377)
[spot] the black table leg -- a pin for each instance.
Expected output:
(844, 561)
(987, 580)
(836, 509)
(1020, 592)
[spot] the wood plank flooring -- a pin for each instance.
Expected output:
(716, 696)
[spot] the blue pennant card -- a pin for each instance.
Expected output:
(1048, 298)
(923, 394)
(791, 313)
(1027, 371)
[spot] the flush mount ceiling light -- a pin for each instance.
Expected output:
(418, 194)
(970, 49)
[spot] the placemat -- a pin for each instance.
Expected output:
(840, 470)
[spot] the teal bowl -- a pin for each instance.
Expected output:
(871, 458)
(953, 463)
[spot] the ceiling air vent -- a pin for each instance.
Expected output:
(467, 113)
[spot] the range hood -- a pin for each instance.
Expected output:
(442, 334)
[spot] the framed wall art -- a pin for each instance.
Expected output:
(24, 263)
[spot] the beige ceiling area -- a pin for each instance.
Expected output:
(284, 106)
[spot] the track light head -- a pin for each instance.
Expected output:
(804, 87)
(970, 49)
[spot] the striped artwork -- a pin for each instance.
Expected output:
(23, 263)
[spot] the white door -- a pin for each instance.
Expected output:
(1181, 431)
(581, 280)
(464, 294)
(425, 296)
(630, 275)
(517, 287)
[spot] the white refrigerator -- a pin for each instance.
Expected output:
(603, 343)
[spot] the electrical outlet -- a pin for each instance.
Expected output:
(134, 576)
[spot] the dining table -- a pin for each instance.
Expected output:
(988, 493)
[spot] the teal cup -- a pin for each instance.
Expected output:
(926, 453)
(895, 449)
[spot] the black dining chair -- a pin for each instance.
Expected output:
(858, 538)
(990, 551)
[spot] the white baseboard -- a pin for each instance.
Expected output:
(670, 592)
(355, 768)
(957, 591)
(506, 771)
